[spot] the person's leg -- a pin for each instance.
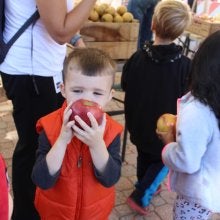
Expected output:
(184, 209)
(146, 32)
(148, 168)
(134, 200)
(160, 172)
(154, 174)
(143, 162)
(31, 98)
(18, 90)
(143, 11)
(152, 171)
(134, 8)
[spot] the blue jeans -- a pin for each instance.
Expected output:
(143, 11)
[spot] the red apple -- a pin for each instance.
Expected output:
(81, 107)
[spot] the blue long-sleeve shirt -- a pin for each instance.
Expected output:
(42, 178)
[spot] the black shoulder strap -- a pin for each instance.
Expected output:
(5, 47)
(30, 20)
(2, 17)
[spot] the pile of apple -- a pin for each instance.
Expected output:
(107, 13)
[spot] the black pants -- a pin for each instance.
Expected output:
(32, 97)
(148, 167)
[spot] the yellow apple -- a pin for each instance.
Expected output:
(164, 121)
(127, 17)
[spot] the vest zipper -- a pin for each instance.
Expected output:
(80, 187)
(79, 162)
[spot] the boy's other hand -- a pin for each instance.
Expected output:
(91, 136)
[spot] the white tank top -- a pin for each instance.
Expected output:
(35, 52)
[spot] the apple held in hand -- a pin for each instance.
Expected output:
(164, 121)
(81, 107)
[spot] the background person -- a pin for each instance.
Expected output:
(31, 75)
(192, 153)
(143, 11)
(6, 203)
(153, 78)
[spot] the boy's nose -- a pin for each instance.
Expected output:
(88, 96)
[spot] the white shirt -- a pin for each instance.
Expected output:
(34, 52)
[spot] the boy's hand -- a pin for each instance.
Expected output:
(91, 136)
(55, 156)
(66, 133)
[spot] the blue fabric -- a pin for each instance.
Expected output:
(148, 194)
(4, 47)
(143, 11)
(75, 38)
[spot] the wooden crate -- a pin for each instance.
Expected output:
(202, 27)
(117, 39)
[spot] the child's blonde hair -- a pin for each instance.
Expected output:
(90, 62)
(170, 18)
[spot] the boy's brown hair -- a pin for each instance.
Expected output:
(90, 62)
(170, 18)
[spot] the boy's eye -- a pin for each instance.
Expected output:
(97, 93)
(77, 90)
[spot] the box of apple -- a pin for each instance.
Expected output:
(81, 108)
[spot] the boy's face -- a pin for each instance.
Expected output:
(93, 88)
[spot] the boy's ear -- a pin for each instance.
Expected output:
(152, 26)
(111, 94)
(62, 90)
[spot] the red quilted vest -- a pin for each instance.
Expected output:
(77, 195)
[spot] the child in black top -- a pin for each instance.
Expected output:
(153, 78)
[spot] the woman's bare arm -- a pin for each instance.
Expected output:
(60, 24)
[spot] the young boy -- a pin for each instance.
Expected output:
(153, 78)
(76, 168)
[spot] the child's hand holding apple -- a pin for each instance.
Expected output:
(81, 108)
(166, 128)
(90, 122)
